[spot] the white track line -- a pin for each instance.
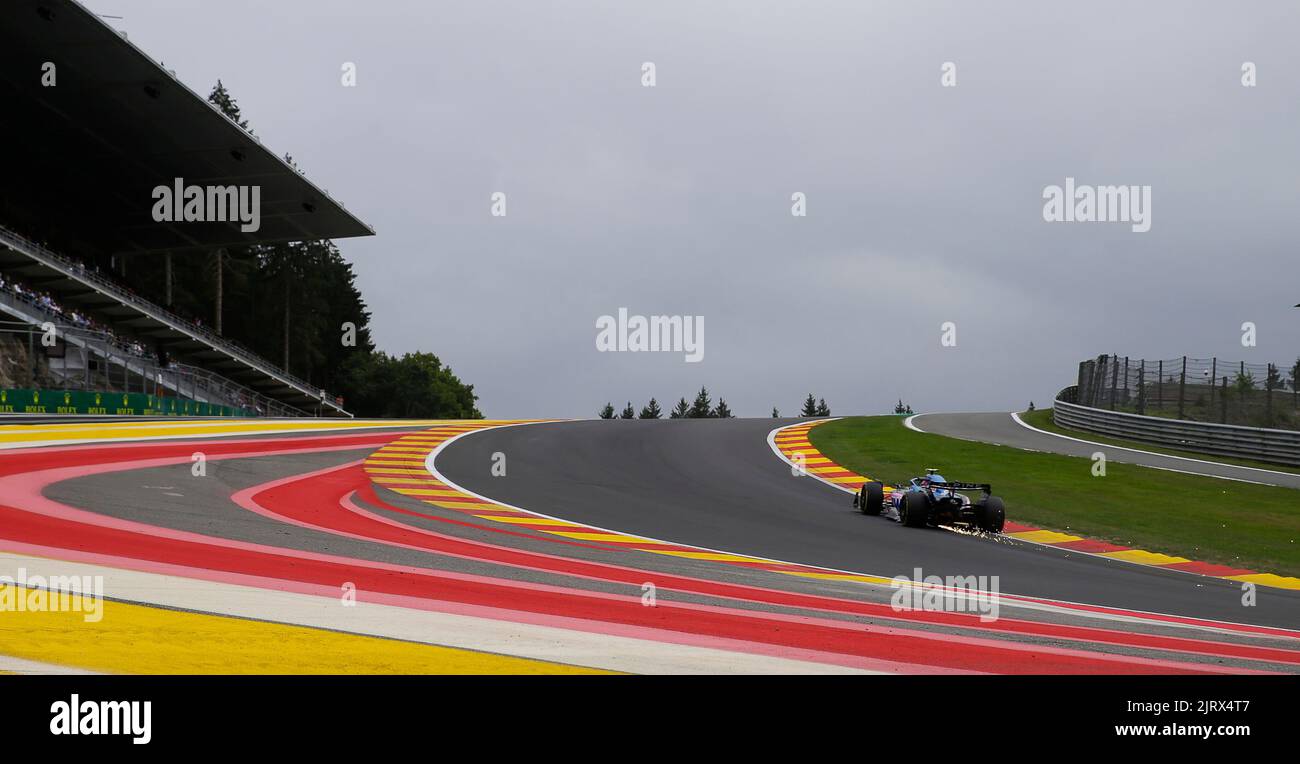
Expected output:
(21, 666)
(555, 644)
(771, 443)
(1035, 603)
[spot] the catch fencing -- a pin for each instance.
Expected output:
(1256, 443)
(1261, 395)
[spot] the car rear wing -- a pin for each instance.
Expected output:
(955, 486)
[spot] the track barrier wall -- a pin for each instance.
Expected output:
(1258, 443)
(29, 401)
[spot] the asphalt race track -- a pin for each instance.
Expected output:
(717, 484)
(1000, 429)
(240, 569)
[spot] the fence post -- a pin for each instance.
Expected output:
(1114, 379)
(1094, 395)
(1214, 374)
(1126, 396)
(1223, 401)
(1182, 386)
(1160, 382)
(1142, 387)
(1268, 396)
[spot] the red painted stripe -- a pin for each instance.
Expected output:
(1089, 545)
(1208, 569)
(170, 548)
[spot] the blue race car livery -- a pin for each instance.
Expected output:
(933, 500)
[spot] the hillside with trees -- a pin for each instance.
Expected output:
(297, 305)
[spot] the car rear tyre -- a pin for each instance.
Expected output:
(871, 499)
(993, 515)
(914, 510)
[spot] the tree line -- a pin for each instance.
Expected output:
(297, 304)
(702, 408)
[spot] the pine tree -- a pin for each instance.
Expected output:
(722, 411)
(651, 410)
(629, 412)
(221, 98)
(898, 408)
(1274, 379)
(703, 407)
(822, 408)
(681, 410)
(1244, 383)
(775, 414)
(607, 412)
(809, 406)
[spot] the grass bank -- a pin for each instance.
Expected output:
(1201, 518)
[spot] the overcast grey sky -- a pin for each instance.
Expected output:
(924, 203)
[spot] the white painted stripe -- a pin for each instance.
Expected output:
(20, 666)
(1021, 601)
(1038, 603)
(545, 643)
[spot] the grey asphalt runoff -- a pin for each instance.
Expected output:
(1000, 429)
(717, 484)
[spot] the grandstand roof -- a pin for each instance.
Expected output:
(83, 157)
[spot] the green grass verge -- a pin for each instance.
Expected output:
(1042, 419)
(1200, 518)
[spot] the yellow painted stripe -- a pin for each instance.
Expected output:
(1269, 579)
(136, 639)
(713, 556)
(460, 504)
(1144, 557)
(192, 428)
(530, 521)
(614, 538)
(838, 576)
(442, 493)
(1044, 537)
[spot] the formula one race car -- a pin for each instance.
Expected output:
(932, 500)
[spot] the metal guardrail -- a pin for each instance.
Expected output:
(1277, 446)
(79, 272)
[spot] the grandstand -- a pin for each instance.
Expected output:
(85, 153)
